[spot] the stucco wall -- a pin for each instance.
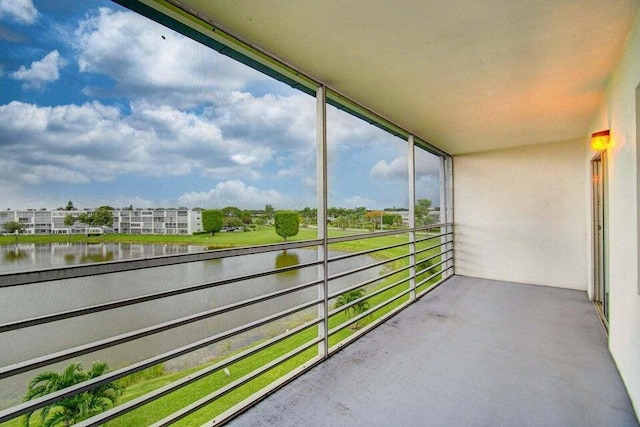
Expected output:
(520, 215)
(618, 113)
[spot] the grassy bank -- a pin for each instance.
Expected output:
(222, 239)
(261, 236)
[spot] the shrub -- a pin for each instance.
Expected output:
(287, 224)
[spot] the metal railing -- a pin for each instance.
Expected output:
(383, 280)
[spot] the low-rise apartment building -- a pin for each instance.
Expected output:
(126, 221)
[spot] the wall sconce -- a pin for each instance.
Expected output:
(600, 140)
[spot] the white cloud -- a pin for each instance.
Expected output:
(22, 11)
(345, 132)
(234, 193)
(244, 159)
(284, 124)
(147, 60)
(426, 166)
(95, 142)
(397, 168)
(40, 72)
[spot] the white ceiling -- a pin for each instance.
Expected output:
(465, 75)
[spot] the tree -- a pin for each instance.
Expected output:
(358, 307)
(310, 215)
(70, 206)
(422, 212)
(75, 408)
(341, 222)
(268, 212)
(212, 220)
(101, 217)
(231, 211)
(245, 216)
(69, 221)
(13, 227)
(233, 222)
(375, 217)
(287, 224)
(391, 219)
(85, 218)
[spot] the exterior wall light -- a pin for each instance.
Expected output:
(600, 140)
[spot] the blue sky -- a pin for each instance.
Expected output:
(99, 105)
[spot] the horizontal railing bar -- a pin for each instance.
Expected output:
(183, 382)
(123, 338)
(423, 281)
(351, 237)
(419, 251)
(368, 281)
(432, 226)
(145, 298)
(367, 267)
(96, 269)
(436, 284)
(429, 258)
(366, 296)
(377, 322)
(442, 261)
(35, 404)
(367, 313)
(385, 233)
(367, 251)
(200, 403)
(433, 237)
(268, 389)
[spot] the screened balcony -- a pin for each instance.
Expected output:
(464, 257)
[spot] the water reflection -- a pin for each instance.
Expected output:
(97, 257)
(35, 256)
(287, 259)
(15, 255)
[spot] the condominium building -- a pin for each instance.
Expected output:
(126, 221)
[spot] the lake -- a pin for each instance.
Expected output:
(22, 302)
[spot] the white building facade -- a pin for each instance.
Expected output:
(125, 221)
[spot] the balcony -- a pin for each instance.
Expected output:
(496, 329)
(452, 350)
(471, 352)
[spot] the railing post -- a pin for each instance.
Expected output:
(411, 168)
(446, 212)
(323, 251)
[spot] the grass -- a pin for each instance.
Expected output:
(220, 240)
(141, 383)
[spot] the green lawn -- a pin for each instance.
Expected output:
(164, 406)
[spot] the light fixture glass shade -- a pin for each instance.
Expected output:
(600, 140)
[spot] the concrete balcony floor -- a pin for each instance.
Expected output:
(473, 352)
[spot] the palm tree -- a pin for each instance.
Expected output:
(357, 308)
(78, 407)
